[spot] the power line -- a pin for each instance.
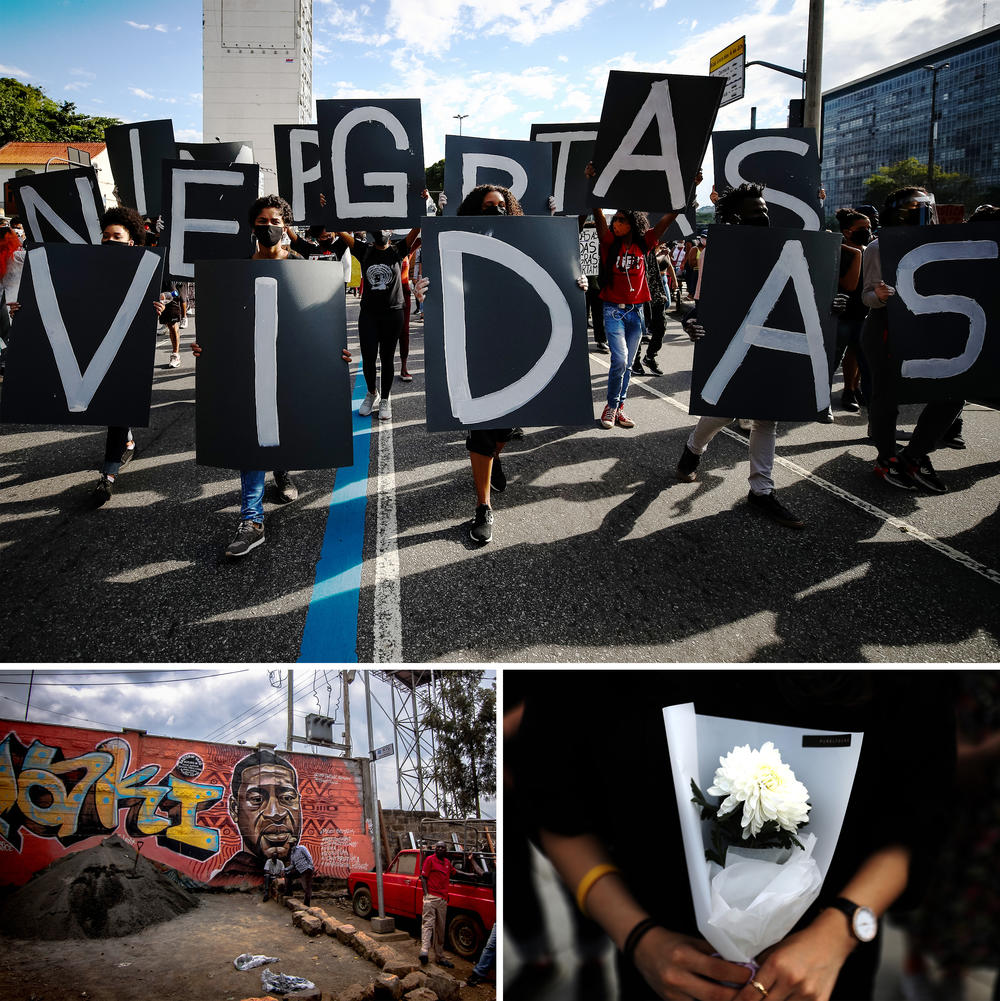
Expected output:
(108, 684)
(82, 719)
(268, 700)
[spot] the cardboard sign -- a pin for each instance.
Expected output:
(272, 389)
(205, 209)
(573, 149)
(372, 163)
(766, 297)
(506, 338)
(682, 228)
(231, 152)
(62, 207)
(520, 165)
(590, 251)
(136, 153)
(785, 160)
(943, 317)
(81, 357)
(652, 139)
(296, 153)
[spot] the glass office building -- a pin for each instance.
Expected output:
(885, 117)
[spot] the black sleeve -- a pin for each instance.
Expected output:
(303, 246)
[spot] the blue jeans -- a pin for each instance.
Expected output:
(489, 955)
(623, 329)
(252, 491)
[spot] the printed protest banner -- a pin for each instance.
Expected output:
(506, 339)
(573, 149)
(80, 357)
(272, 389)
(372, 163)
(64, 206)
(296, 151)
(786, 161)
(943, 318)
(229, 152)
(652, 138)
(213, 812)
(590, 251)
(205, 206)
(766, 297)
(522, 166)
(136, 152)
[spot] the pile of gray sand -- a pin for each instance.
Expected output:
(99, 892)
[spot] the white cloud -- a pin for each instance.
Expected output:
(191, 135)
(161, 27)
(77, 85)
(86, 74)
(15, 72)
(144, 94)
(141, 27)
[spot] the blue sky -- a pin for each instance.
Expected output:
(504, 65)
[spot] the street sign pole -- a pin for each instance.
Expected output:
(730, 65)
(813, 109)
(375, 824)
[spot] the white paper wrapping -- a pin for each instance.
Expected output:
(754, 902)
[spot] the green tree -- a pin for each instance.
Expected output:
(948, 188)
(27, 115)
(435, 176)
(463, 716)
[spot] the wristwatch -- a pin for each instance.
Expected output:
(861, 920)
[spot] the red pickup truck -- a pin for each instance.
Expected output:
(472, 905)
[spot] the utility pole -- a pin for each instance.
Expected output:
(930, 139)
(381, 924)
(346, 677)
(291, 690)
(812, 112)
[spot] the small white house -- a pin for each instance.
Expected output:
(15, 156)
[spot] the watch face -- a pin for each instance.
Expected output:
(865, 924)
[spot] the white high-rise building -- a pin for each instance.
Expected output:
(257, 72)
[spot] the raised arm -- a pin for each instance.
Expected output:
(664, 224)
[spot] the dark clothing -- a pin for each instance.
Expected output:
(115, 442)
(484, 442)
(856, 309)
(596, 307)
(380, 269)
(573, 785)
(307, 884)
(378, 331)
(312, 250)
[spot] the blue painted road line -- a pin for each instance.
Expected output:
(331, 630)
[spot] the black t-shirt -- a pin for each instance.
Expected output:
(856, 309)
(380, 268)
(314, 251)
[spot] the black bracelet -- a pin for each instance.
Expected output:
(632, 941)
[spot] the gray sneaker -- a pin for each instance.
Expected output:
(385, 409)
(482, 527)
(248, 536)
(370, 403)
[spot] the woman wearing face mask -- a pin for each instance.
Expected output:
(911, 468)
(380, 321)
(268, 216)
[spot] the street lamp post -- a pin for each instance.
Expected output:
(459, 117)
(930, 139)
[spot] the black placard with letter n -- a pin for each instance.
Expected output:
(506, 338)
(766, 298)
(136, 152)
(521, 166)
(205, 206)
(64, 206)
(372, 162)
(272, 389)
(944, 316)
(652, 138)
(81, 358)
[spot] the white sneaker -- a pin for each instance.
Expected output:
(371, 402)
(175, 361)
(385, 411)
(184, 323)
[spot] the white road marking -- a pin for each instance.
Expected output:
(388, 638)
(904, 526)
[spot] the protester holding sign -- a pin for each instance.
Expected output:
(857, 233)
(912, 467)
(267, 217)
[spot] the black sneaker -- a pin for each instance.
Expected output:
(516, 434)
(127, 455)
(423, 959)
(103, 491)
(952, 438)
(771, 507)
(687, 468)
(482, 527)
(446, 963)
(498, 481)
(650, 363)
(892, 472)
(602, 347)
(637, 368)
(287, 490)
(923, 472)
(825, 416)
(472, 979)
(849, 401)
(248, 536)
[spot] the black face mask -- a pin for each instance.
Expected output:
(494, 210)
(861, 237)
(758, 220)
(268, 236)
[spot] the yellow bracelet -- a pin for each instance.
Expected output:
(586, 884)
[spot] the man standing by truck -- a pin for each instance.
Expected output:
(435, 877)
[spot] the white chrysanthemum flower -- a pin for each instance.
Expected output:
(765, 786)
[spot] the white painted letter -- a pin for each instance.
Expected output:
(563, 140)
(472, 163)
(453, 246)
(180, 225)
(972, 250)
(791, 265)
(772, 196)
(137, 178)
(346, 209)
(265, 359)
(297, 138)
(33, 205)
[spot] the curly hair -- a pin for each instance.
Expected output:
(846, 217)
(122, 215)
(9, 245)
(639, 221)
(270, 202)
(985, 213)
(472, 204)
(729, 201)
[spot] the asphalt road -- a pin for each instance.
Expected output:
(599, 554)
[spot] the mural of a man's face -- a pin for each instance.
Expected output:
(268, 810)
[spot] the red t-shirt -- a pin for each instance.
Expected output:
(437, 872)
(628, 272)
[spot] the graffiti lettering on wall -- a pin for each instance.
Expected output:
(212, 811)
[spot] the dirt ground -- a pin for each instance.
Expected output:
(190, 958)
